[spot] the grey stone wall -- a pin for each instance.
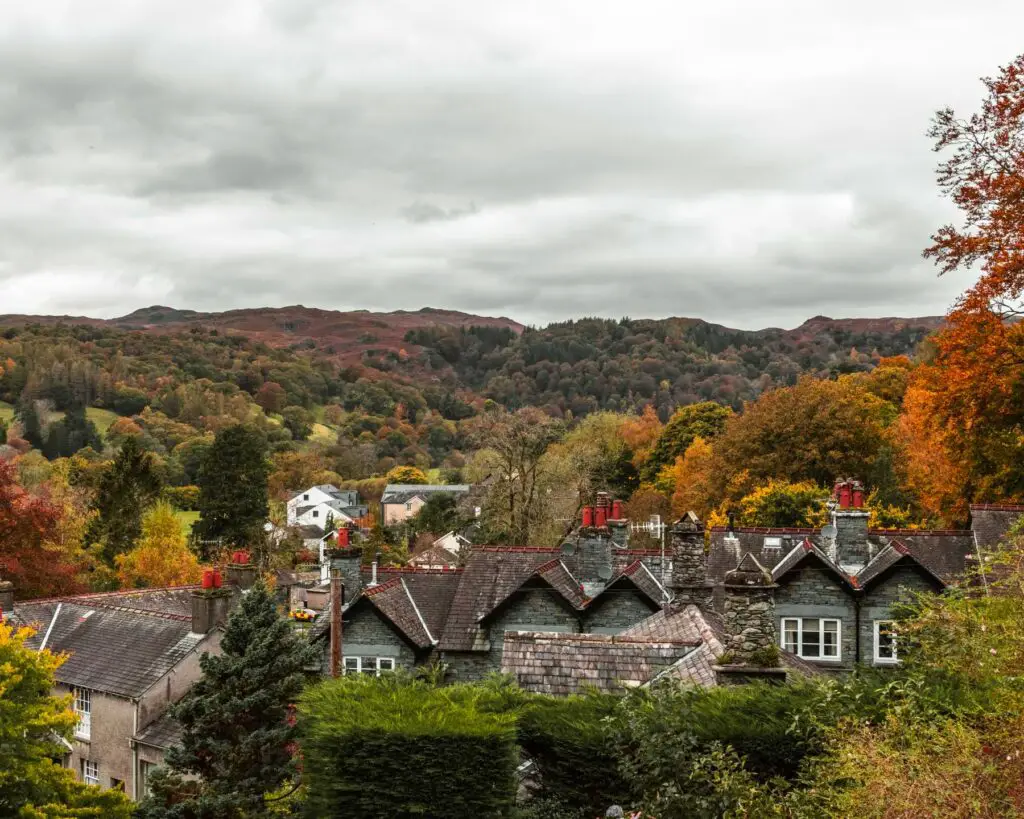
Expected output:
(749, 616)
(901, 585)
(616, 612)
(811, 592)
(113, 723)
(365, 634)
(349, 561)
(594, 559)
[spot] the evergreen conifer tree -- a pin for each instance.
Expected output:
(238, 731)
(233, 488)
(32, 426)
(128, 487)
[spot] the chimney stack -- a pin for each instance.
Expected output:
(850, 519)
(690, 563)
(6, 598)
(348, 561)
(241, 572)
(210, 604)
(749, 615)
(373, 569)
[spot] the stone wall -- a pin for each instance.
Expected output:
(812, 591)
(365, 634)
(113, 723)
(901, 585)
(748, 616)
(616, 612)
(851, 537)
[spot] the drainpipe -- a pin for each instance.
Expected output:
(856, 608)
(135, 752)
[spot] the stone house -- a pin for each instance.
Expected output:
(130, 655)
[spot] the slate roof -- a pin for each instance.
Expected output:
(163, 733)
(725, 552)
(640, 577)
(563, 664)
(393, 600)
(114, 650)
(808, 550)
(490, 576)
(945, 553)
(415, 601)
(404, 492)
(990, 522)
(168, 600)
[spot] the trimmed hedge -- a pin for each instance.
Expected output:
(577, 759)
(393, 747)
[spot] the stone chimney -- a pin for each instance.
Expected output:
(6, 598)
(690, 581)
(241, 572)
(594, 545)
(210, 608)
(849, 547)
(749, 615)
(348, 559)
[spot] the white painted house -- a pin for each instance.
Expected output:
(315, 506)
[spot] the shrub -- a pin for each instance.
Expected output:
(399, 747)
(576, 759)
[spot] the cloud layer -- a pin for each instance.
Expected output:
(753, 164)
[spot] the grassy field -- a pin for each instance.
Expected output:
(100, 417)
(186, 519)
(323, 434)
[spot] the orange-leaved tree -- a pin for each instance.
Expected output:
(162, 556)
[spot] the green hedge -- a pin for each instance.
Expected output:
(395, 747)
(575, 752)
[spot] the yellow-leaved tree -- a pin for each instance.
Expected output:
(162, 556)
(32, 724)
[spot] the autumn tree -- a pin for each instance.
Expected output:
(162, 556)
(513, 445)
(233, 504)
(705, 420)
(693, 478)
(815, 431)
(780, 504)
(32, 725)
(128, 486)
(407, 475)
(28, 415)
(272, 397)
(29, 525)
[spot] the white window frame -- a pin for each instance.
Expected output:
(879, 659)
(368, 665)
(83, 708)
(90, 772)
(145, 772)
(799, 647)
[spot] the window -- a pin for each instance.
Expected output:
(306, 496)
(116, 784)
(145, 770)
(773, 543)
(885, 642)
(369, 665)
(83, 708)
(316, 513)
(90, 772)
(408, 506)
(811, 638)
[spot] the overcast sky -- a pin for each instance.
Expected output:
(751, 163)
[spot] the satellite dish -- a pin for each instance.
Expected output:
(604, 572)
(568, 550)
(829, 531)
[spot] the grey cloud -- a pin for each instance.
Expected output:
(664, 161)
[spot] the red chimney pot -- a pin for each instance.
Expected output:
(601, 518)
(207, 582)
(844, 495)
(858, 495)
(616, 510)
(588, 515)
(343, 537)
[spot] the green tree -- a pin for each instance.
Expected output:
(127, 488)
(237, 729)
(31, 425)
(298, 421)
(439, 514)
(72, 433)
(232, 483)
(704, 420)
(32, 723)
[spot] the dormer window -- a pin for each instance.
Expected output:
(772, 546)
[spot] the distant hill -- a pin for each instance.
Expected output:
(575, 366)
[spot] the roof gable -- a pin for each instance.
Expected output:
(808, 551)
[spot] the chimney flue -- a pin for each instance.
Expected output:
(616, 510)
(373, 569)
(588, 516)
